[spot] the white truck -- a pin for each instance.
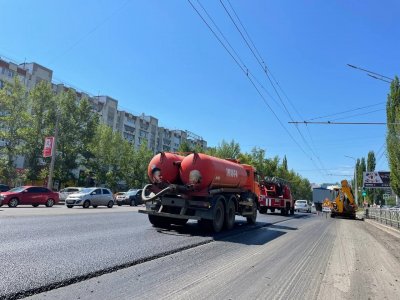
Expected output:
(320, 194)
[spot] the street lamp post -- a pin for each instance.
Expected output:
(355, 177)
(53, 157)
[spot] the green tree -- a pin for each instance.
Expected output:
(284, 163)
(256, 158)
(101, 150)
(198, 149)
(42, 101)
(371, 163)
(360, 168)
(14, 118)
(141, 161)
(76, 127)
(300, 187)
(393, 134)
(228, 150)
(115, 161)
(184, 148)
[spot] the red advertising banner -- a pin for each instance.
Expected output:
(48, 146)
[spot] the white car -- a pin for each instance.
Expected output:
(302, 205)
(94, 196)
(64, 193)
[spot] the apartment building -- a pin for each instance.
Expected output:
(134, 128)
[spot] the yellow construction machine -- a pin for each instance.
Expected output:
(344, 204)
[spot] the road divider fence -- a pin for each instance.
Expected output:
(384, 216)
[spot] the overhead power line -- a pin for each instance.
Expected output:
(340, 123)
(356, 115)
(374, 73)
(346, 111)
(246, 72)
(91, 31)
(264, 67)
(375, 77)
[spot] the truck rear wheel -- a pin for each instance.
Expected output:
(229, 221)
(160, 222)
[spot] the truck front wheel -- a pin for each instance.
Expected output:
(217, 221)
(179, 222)
(263, 210)
(252, 219)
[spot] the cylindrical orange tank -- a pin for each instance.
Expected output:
(168, 164)
(210, 172)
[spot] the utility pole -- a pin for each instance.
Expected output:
(54, 153)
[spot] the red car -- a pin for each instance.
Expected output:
(34, 195)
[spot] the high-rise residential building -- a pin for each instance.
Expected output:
(134, 128)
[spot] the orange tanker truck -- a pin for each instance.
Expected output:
(199, 187)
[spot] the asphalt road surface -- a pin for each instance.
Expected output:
(116, 254)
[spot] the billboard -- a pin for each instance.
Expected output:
(48, 146)
(376, 179)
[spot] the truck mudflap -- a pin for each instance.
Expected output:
(168, 215)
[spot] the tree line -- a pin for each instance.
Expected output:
(26, 118)
(103, 155)
(375, 196)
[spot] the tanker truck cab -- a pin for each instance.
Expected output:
(203, 188)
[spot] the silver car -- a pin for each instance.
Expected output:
(64, 193)
(94, 196)
(302, 205)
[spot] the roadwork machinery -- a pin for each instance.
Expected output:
(344, 205)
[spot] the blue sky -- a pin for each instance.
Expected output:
(159, 58)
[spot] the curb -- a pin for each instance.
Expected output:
(393, 231)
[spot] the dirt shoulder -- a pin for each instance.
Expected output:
(364, 263)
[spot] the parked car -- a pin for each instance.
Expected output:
(68, 191)
(302, 205)
(395, 208)
(94, 196)
(132, 197)
(32, 195)
(4, 188)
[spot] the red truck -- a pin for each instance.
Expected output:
(199, 187)
(275, 194)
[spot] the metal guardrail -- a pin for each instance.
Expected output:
(384, 216)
